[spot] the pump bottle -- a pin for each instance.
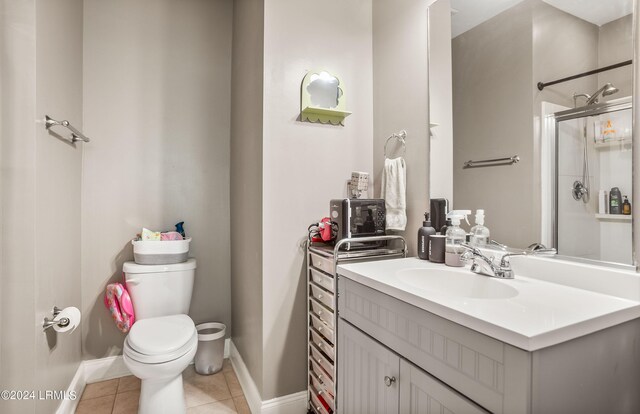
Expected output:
(423, 237)
(480, 235)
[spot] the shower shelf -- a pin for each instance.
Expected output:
(614, 217)
(613, 143)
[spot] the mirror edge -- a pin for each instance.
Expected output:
(635, 136)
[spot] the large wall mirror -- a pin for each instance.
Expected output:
(573, 137)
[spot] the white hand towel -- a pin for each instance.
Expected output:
(394, 192)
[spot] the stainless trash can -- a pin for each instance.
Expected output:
(210, 353)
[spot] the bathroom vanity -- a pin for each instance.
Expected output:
(418, 337)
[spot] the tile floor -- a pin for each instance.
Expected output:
(205, 394)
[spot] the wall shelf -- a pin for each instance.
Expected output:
(614, 217)
(613, 143)
(324, 115)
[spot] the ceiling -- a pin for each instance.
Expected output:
(467, 14)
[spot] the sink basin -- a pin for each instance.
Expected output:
(457, 283)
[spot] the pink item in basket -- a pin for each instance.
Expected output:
(171, 235)
(117, 300)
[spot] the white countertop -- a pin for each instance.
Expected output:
(541, 314)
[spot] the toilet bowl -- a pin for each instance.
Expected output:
(163, 341)
(157, 350)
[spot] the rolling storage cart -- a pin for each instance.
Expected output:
(322, 316)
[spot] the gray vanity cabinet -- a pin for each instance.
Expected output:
(445, 367)
(365, 365)
(375, 380)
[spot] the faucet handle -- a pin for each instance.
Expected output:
(500, 245)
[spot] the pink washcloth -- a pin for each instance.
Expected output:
(171, 235)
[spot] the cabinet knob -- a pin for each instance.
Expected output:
(388, 381)
(319, 345)
(319, 295)
(319, 312)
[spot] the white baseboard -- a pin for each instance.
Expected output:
(68, 406)
(288, 404)
(251, 393)
(101, 369)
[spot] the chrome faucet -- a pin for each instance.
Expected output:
(484, 265)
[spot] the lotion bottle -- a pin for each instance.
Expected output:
(423, 237)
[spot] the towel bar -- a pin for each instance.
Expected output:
(75, 134)
(492, 162)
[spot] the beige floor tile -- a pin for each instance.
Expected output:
(100, 389)
(126, 402)
(234, 385)
(204, 389)
(226, 365)
(128, 383)
(99, 405)
(241, 405)
(222, 407)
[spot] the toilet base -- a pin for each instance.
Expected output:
(162, 396)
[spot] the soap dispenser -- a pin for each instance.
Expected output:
(423, 237)
(480, 235)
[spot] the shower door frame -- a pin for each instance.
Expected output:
(585, 112)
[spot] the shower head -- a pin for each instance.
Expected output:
(609, 89)
(606, 90)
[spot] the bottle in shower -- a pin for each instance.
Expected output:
(626, 207)
(615, 201)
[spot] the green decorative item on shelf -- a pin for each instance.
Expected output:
(323, 98)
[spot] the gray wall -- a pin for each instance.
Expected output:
(400, 99)
(18, 149)
(156, 103)
(336, 36)
(615, 44)
(41, 74)
(246, 183)
(492, 118)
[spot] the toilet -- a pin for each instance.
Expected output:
(163, 340)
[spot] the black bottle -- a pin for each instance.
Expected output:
(615, 201)
(447, 224)
(423, 237)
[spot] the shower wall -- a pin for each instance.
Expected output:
(578, 229)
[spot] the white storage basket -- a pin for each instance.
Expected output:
(160, 252)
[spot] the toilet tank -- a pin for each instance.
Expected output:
(160, 290)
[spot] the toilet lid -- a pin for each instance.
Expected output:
(161, 335)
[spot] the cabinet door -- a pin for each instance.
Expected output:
(420, 393)
(368, 374)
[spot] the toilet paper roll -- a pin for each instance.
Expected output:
(74, 316)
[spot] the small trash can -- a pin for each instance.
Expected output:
(210, 353)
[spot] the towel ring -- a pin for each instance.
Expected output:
(401, 137)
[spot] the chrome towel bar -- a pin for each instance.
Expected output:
(75, 134)
(491, 163)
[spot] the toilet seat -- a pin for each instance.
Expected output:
(161, 339)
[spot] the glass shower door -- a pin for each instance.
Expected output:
(594, 182)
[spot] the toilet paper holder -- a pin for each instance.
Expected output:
(48, 323)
